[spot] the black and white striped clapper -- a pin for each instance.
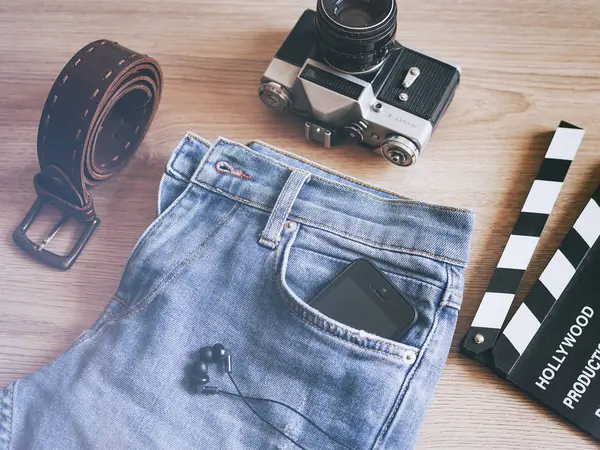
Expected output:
(494, 308)
(551, 346)
(548, 289)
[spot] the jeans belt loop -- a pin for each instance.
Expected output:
(271, 235)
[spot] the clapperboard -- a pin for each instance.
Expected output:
(550, 348)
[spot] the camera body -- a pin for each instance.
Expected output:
(392, 106)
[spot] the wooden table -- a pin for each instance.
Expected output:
(527, 64)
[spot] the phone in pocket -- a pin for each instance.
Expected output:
(363, 298)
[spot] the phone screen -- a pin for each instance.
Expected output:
(362, 298)
(357, 310)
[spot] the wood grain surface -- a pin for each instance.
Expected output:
(527, 64)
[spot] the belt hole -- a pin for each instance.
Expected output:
(133, 55)
(44, 141)
(78, 134)
(85, 113)
(54, 99)
(116, 157)
(47, 121)
(137, 129)
(108, 74)
(120, 63)
(127, 145)
(95, 93)
(90, 50)
(77, 61)
(65, 78)
(103, 43)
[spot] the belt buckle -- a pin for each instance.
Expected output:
(63, 262)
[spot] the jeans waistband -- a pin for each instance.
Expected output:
(256, 173)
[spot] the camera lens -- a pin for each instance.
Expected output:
(355, 36)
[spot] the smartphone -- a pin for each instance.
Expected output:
(363, 298)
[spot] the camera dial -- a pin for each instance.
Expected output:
(355, 131)
(399, 150)
(275, 96)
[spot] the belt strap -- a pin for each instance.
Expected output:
(96, 115)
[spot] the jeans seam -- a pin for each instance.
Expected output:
(400, 199)
(6, 417)
(182, 264)
(407, 381)
(451, 292)
(302, 220)
(413, 279)
(153, 226)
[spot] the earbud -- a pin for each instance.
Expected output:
(199, 374)
(201, 367)
(205, 354)
(217, 354)
(198, 380)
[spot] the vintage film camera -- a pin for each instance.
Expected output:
(341, 69)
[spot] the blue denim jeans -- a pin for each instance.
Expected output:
(245, 235)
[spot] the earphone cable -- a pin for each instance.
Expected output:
(240, 395)
(262, 399)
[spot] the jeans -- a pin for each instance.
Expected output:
(245, 236)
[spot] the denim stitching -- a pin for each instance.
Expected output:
(177, 176)
(119, 300)
(178, 151)
(326, 169)
(396, 351)
(461, 263)
(429, 284)
(451, 291)
(433, 256)
(159, 219)
(400, 200)
(6, 410)
(153, 226)
(281, 200)
(180, 266)
(406, 384)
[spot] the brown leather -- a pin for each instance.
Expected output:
(96, 115)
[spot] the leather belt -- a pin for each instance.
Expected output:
(96, 115)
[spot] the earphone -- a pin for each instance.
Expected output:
(218, 354)
(199, 375)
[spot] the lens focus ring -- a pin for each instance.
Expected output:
(355, 36)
